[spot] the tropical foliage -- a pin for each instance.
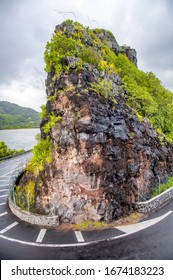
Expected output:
(42, 154)
(144, 91)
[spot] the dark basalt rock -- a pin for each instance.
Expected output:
(103, 155)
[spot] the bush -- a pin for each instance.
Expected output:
(5, 151)
(163, 187)
(53, 120)
(90, 56)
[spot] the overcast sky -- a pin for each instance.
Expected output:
(26, 26)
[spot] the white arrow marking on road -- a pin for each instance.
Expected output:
(79, 236)
(41, 235)
(9, 227)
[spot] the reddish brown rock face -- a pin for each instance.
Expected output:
(102, 155)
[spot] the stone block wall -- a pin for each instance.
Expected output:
(155, 202)
(32, 218)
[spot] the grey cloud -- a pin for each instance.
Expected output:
(27, 25)
(150, 31)
(24, 32)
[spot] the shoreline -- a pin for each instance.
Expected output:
(16, 128)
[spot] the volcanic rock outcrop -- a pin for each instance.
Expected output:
(103, 156)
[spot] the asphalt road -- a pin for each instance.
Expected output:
(150, 239)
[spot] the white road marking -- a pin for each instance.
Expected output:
(6, 174)
(9, 227)
(4, 213)
(5, 180)
(4, 190)
(41, 235)
(75, 244)
(4, 195)
(8, 166)
(79, 236)
(129, 229)
(2, 203)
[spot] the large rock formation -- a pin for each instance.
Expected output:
(103, 155)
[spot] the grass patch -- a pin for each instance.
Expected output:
(133, 218)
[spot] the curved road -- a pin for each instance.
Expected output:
(149, 239)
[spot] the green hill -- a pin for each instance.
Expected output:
(15, 116)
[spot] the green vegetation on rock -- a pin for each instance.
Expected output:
(145, 93)
(53, 120)
(42, 154)
(103, 87)
(147, 96)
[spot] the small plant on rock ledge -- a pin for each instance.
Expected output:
(103, 87)
(42, 155)
(53, 120)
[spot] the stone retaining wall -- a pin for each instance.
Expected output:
(32, 218)
(155, 202)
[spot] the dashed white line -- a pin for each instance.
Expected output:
(3, 190)
(9, 227)
(3, 214)
(73, 244)
(8, 166)
(2, 203)
(41, 235)
(6, 180)
(6, 174)
(4, 195)
(77, 244)
(79, 236)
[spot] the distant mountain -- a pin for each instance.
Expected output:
(15, 116)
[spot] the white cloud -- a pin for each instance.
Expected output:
(27, 25)
(24, 94)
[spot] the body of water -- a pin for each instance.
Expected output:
(19, 138)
